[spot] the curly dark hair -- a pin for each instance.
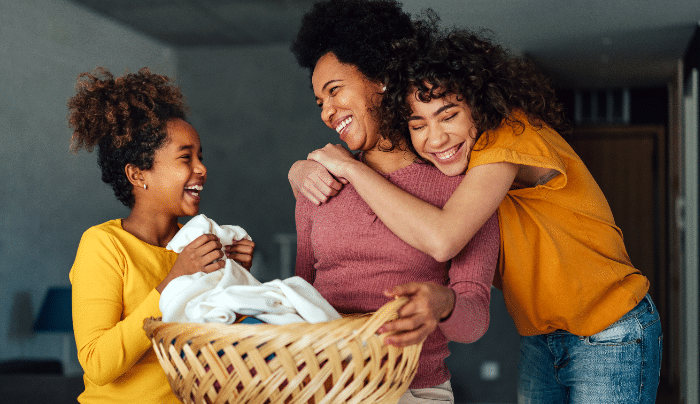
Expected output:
(491, 81)
(126, 119)
(358, 32)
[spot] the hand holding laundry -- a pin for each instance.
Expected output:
(203, 254)
(218, 296)
(241, 251)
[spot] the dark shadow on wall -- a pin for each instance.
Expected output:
(21, 317)
(486, 371)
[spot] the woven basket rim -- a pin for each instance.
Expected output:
(285, 364)
(386, 313)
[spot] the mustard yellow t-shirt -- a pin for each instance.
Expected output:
(563, 263)
(113, 279)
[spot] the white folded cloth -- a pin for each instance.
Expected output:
(219, 295)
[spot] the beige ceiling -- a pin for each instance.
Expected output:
(582, 43)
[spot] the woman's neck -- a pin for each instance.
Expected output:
(388, 161)
(151, 228)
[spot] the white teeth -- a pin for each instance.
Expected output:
(343, 124)
(194, 189)
(447, 153)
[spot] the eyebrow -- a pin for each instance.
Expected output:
(436, 113)
(329, 82)
(189, 147)
(326, 85)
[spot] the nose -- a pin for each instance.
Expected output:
(200, 168)
(437, 137)
(327, 112)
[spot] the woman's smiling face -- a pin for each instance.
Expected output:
(346, 98)
(443, 132)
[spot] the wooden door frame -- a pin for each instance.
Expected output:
(665, 285)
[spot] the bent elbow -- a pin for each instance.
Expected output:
(477, 332)
(99, 378)
(443, 251)
(480, 332)
(97, 374)
(440, 256)
(443, 244)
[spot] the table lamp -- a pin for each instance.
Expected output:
(56, 316)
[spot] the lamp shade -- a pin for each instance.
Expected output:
(56, 312)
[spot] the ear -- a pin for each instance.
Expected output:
(379, 86)
(134, 175)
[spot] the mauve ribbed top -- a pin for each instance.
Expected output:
(351, 257)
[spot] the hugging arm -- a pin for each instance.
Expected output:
(439, 232)
(313, 181)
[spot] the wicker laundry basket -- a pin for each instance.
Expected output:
(341, 361)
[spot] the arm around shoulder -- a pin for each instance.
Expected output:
(313, 181)
(471, 206)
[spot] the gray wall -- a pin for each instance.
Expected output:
(255, 112)
(51, 195)
(253, 108)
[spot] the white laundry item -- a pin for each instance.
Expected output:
(219, 295)
(200, 225)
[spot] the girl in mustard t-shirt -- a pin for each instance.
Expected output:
(152, 159)
(589, 330)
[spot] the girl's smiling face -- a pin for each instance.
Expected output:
(346, 98)
(178, 174)
(443, 132)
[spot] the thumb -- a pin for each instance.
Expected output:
(401, 290)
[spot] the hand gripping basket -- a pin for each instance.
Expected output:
(341, 361)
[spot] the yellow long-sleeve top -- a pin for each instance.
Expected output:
(563, 263)
(114, 278)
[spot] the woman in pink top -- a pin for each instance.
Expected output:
(349, 255)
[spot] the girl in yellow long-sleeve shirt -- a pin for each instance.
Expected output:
(152, 159)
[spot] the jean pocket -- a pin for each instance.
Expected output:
(618, 334)
(649, 318)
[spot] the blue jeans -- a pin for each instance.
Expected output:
(618, 365)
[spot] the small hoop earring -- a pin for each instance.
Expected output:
(144, 186)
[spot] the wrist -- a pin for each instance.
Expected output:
(164, 283)
(449, 305)
(293, 173)
(354, 169)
